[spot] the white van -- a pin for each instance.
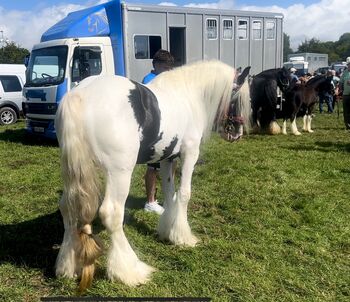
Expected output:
(12, 80)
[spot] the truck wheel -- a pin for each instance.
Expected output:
(7, 116)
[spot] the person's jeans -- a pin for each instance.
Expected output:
(328, 99)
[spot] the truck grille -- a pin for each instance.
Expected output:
(40, 108)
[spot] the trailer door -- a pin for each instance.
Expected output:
(177, 45)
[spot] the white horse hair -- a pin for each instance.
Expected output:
(114, 123)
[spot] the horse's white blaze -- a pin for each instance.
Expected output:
(100, 122)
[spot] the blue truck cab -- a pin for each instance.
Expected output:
(87, 42)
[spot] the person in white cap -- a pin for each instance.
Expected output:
(293, 76)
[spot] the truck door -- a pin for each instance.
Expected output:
(177, 45)
(86, 62)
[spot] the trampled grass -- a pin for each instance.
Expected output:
(272, 213)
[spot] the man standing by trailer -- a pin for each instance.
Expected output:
(162, 61)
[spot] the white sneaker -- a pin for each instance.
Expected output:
(154, 207)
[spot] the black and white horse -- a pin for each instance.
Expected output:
(110, 124)
(264, 97)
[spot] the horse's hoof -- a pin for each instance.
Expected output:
(297, 133)
(274, 128)
(256, 129)
(139, 273)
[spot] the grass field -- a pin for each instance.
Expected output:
(272, 213)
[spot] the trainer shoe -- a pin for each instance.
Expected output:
(154, 207)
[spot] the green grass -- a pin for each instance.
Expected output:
(272, 213)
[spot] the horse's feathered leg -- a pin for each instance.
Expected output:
(168, 190)
(284, 126)
(66, 264)
(173, 224)
(122, 264)
(80, 197)
(307, 122)
(293, 127)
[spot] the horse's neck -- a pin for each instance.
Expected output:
(315, 83)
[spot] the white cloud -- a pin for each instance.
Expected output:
(325, 20)
(167, 4)
(223, 4)
(26, 27)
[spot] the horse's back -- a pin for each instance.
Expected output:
(123, 115)
(108, 120)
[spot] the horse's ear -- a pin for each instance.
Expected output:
(242, 76)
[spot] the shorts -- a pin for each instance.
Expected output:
(155, 166)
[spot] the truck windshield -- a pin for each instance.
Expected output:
(47, 66)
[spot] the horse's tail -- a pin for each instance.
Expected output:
(244, 105)
(81, 188)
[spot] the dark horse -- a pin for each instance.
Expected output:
(263, 93)
(300, 99)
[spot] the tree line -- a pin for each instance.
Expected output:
(337, 51)
(13, 53)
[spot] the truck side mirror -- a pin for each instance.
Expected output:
(26, 60)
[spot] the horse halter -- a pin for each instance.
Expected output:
(231, 121)
(283, 85)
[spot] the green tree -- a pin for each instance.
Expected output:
(313, 45)
(342, 46)
(286, 47)
(12, 54)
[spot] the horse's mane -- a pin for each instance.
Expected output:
(268, 73)
(203, 85)
(315, 80)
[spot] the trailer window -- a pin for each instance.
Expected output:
(270, 30)
(257, 30)
(212, 29)
(242, 29)
(86, 62)
(10, 83)
(227, 29)
(146, 46)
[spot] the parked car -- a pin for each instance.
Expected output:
(339, 66)
(322, 70)
(12, 79)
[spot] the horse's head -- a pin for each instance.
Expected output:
(283, 79)
(328, 85)
(322, 83)
(237, 116)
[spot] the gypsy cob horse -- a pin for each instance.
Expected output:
(300, 99)
(264, 97)
(110, 124)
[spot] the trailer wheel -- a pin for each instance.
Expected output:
(8, 116)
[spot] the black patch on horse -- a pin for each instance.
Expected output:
(147, 114)
(168, 151)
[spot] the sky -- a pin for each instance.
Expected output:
(24, 21)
